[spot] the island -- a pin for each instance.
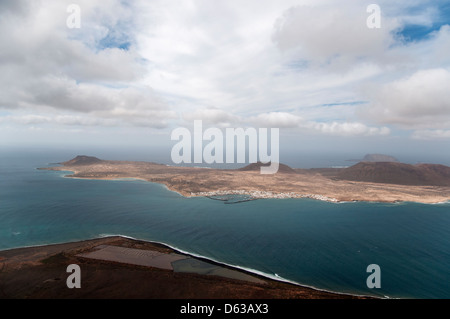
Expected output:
(365, 181)
(375, 158)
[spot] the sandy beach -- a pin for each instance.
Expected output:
(110, 268)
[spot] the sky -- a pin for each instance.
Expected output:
(135, 70)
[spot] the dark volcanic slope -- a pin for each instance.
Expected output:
(397, 173)
(257, 166)
(40, 273)
(82, 160)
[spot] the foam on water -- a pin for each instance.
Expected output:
(274, 276)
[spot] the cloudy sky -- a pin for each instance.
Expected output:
(135, 70)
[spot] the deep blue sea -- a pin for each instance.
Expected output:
(310, 242)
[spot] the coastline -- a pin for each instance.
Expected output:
(21, 261)
(265, 195)
(257, 272)
(195, 182)
(255, 194)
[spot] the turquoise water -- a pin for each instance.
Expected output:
(319, 244)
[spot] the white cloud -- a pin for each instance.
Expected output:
(75, 120)
(294, 64)
(421, 100)
(440, 46)
(333, 35)
(212, 117)
(288, 120)
(284, 120)
(431, 134)
(46, 65)
(70, 120)
(277, 119)
(348, 129)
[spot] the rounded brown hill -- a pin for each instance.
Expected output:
(82, 160)
(397, 173)
(282, 168)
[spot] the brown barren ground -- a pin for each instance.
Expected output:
(40, 272)
(315, 183)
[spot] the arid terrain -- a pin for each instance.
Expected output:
(364, 181)
(40, 272)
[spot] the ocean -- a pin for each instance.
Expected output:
(313, 243)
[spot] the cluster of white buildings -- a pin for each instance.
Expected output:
(264, 194)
